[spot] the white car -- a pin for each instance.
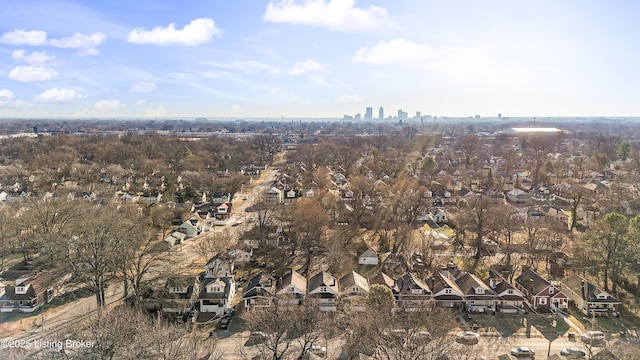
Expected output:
(593, 336)
(523, 352)
(317, 350)
(468, 337)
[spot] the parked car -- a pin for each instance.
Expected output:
(224, 323)
(593, 337)
(573, 353)
(256, 337)
(320, 351)
(523, 352)
(468, 337)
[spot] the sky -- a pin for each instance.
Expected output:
(318, 58)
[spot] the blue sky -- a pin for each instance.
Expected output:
(318, 58)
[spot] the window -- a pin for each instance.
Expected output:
(355, 289)
(510, 292)
(448, 291)
(551, 290)
(543, 301)
(480, 290)
(323, 289)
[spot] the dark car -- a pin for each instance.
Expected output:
(224, 323)
(573, 353)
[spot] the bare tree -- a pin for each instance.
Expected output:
(284, 331)
(91, 250)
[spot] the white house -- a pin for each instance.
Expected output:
(291, 288)
(219, 266)
(216, 294)
(241, 255)
(323, 290)
(368, 258)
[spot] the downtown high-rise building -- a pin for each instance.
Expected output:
(381, 113)
(368, 114)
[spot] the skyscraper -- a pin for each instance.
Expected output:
(368, 114)
(381, 114)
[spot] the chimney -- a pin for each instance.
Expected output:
(582, 288)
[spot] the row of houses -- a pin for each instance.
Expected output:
(449, 287)
(213, 292)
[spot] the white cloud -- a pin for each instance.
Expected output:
(455, 61)
(35, 58)
(396, 51)
(140, 103)
(307, 67)
(6, 95)
(86, 44)
(58, 95)
(143, 87)
(32, 73)
(243, 66)
(23, 37)
(197, 32)
(338, 15)
(8, 100)
(107, 105)
(349, 99)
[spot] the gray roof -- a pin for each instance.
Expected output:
(323, 279)
(226, 281)
(575, 284)
(292, 277)
(353, 279)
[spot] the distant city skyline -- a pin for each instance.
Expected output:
(317, 58)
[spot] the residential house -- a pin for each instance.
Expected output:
(290, 196)
(189, 228)
(223, 214)
(354, 289)
(21, 297)
(518, 196)
(175, 296)
(323, 290)
(509, 299)
(590, 298)
(291, 288)
(479, 297)
(274, 195)
(386, 281)
(539, 292)
(220, 198)
(260, 291)
(444, 290)
(413, 294)
(175, 238)
(309, 193)
(559, 215)
(241, 255)
(216, 294)
(219, 266)
(368, 258)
